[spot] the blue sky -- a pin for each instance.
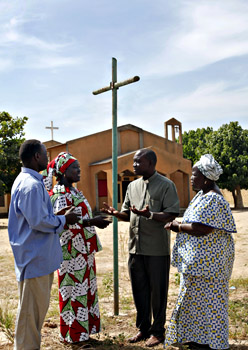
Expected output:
(191, 56)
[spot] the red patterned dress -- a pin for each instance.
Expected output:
(78, 298)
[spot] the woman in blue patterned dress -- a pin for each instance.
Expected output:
(203, 253)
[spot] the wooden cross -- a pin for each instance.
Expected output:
(52, 128)
(114, 86)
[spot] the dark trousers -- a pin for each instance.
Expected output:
(150, 280)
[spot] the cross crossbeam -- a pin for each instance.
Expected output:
(116, 85)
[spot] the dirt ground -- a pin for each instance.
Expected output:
(124, 324)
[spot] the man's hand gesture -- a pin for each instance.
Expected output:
(112, 211)
(143, 212)
(109, 210)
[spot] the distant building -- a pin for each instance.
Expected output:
(94, 153)
(4, 204)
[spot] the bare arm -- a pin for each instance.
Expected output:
(157, 216)
(123, 216)
(194, 229)
(97, 221)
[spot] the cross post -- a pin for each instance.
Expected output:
(114, 86)
(52, 128)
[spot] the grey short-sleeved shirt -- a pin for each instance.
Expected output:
(148, 237)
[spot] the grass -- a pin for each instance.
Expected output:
(238, 309)
(112, 339)
(126, 302)
(238, 317)
(240, 283)
(177, 278)
(107, 284)
(53, 311)
(7, 321)
(115, 329)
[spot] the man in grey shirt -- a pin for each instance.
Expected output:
(150, 202)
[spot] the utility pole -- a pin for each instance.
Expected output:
(114, 86)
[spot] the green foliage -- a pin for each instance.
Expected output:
(229, 146)
(11, 137)
(196, 143)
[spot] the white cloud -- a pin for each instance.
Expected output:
(150, 39)
(212, 100)
(41, 54)
(58, 61)
(208, 105)
(205, 32)
(12, 33)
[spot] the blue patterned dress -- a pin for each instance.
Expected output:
(205, 264)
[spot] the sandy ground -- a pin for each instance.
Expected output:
(240, 269)
(105, 260)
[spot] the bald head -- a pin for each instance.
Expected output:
(149, 154)
(144, 162)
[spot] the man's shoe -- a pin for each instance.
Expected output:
(138, 337)
(154, 340)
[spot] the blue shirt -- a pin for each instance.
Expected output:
(33, 228)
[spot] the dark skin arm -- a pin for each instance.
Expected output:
(160, 216)
(194, 229)
(123, 216)
(97, 221)
(71, 218)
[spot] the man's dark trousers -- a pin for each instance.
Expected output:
(150, 281)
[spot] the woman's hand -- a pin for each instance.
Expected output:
(63, 210)
(71, 218)
(173, 225)
(100, 222)
(193, 229)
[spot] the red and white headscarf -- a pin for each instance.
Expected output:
(57, 168)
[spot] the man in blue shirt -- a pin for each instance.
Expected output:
(33, 234)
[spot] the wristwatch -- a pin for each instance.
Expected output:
(151, 216)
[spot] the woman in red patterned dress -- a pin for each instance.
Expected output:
(78, 298)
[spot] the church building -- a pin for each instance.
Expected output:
(94, 153)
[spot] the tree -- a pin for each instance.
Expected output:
(229, 146)
(11, 137)
(195, 143)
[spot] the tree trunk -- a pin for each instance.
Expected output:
(237, 198)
